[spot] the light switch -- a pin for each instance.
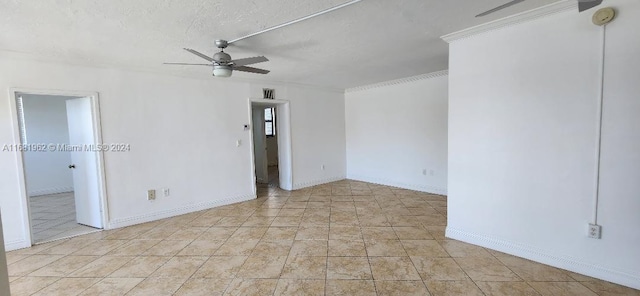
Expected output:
(238, 143)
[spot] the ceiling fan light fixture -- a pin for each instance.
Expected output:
(222, 71)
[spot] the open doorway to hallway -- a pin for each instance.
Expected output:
(265, 138)
(271, 144)
(62, 181)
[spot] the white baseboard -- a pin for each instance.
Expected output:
(622, 277)
(16, 245)
(301, 185)
(54, 190)
(123, 222)
(386, 182)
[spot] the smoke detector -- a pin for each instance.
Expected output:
(604, 16)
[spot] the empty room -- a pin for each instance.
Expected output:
(335, 147)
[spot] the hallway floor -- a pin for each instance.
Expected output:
(53, 217)
(343, 238)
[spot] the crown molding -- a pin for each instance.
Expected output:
(399, 81)
(513, 20)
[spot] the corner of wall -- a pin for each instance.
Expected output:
(16, 244)
(388, 182)
(512, 20)
(305, 184)
(46, 191)
(546, 257)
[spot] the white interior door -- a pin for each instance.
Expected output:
(260, 146)
(84, 163)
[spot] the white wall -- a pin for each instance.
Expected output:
(522, 142)
(396, 131)
(319, 142)
(182, 132)
(46, 122)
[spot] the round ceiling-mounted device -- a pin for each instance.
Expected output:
(604, 16)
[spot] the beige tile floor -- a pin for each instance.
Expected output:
(53, 217)
(343, 238)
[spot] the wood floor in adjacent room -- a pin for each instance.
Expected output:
(343, 238)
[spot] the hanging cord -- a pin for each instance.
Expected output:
(599, 129)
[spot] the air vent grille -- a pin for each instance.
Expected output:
(269, 94)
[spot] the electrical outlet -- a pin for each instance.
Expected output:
(151, 194)
(424, 172)
(322, 167)
(595, 231)
(166, 192)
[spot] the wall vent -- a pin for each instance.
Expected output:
(269, 94)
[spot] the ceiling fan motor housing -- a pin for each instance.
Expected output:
(222, 57)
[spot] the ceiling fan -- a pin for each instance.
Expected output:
(582, 6)
(223, 65)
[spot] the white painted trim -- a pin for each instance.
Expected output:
(399, 81)
(16, 245)
(306, 184)
(621, 277)
(22, 183)
(97, 130)
(54, 190)
(123, 222)
(515, 19)
(387, 182)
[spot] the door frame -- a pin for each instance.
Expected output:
(262, 132)
(283, 131)
(97, 132)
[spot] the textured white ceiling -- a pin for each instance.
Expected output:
(371, 41)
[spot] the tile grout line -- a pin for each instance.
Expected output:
(409, 256)
(373, 278)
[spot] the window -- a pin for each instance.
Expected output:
(23, 129)
(270, 122)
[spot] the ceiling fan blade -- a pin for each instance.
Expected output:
(202, 55)
(187, 64)
(296, 20)
(251, 70)
(501, 7)
(587, 4)
(249, 61)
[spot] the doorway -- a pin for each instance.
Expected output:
(271, 144)
(265, 148)
(62, 178)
